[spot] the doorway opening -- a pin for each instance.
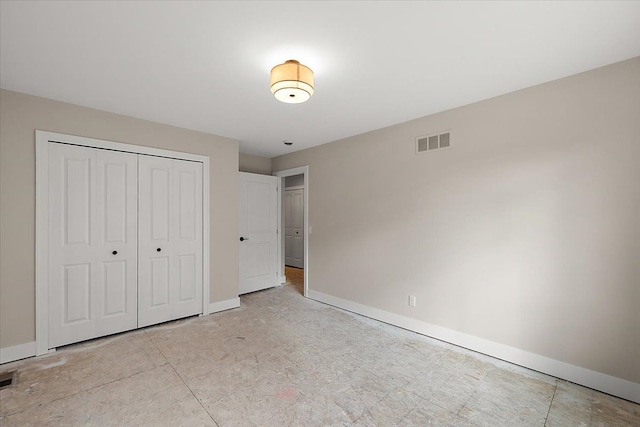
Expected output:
(295, 277)
(293, 218)
(293, 211)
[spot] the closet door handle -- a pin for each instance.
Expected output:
(158, 249)
(115, 252)
(242, 239)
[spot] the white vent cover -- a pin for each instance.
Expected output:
(433, 142)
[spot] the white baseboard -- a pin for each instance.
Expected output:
(22, 351)
(17, 352)
(215, 307)
(592, 379)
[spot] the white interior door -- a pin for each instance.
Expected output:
(170, 239)
(92, 243)
(258, 217)
(294, 227)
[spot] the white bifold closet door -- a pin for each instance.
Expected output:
(124, 241)
(92, 243)
(170, 239)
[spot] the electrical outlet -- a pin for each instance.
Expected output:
(412, 300)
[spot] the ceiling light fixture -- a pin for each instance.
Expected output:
(292, 82)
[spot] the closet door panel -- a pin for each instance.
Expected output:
(159, 282)
(117, 233)
(77, 197)
(93, 211)
(155, 216)
(115, 201)
(187, 278)
(72, 204)
(160, 176)
(187, 245)
(115, 288)
(76, 294)
(170, 239)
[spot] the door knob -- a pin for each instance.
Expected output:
(158, 249)
(242, 239)
(115, 252)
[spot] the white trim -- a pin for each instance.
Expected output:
(216, 307)
(117, 146)
(42, 208)
(592, 379)
(42, 238)
(294, 187)
(17, 352)
(206, 239)
(280, 231)
(304, 170)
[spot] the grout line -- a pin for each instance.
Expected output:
(182, 379)
(551, 403)
(591, 408)
(365, 412)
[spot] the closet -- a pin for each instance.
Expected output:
(124, 241)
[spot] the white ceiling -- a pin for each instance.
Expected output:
(205, 65)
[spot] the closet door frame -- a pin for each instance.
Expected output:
(43, 139)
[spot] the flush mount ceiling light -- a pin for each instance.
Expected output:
(292, 82)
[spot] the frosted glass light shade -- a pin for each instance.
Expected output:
(292, 82)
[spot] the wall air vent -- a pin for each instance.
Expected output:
(433, 142)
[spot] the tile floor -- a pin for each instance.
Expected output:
(283, 360)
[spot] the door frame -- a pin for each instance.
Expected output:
(302, 170)
(43, 138)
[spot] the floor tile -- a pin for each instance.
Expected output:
(504, 397)
(433, 415)
(574, 405)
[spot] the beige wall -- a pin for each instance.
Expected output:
(20, 116)
(526, 232)
(254, 164)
